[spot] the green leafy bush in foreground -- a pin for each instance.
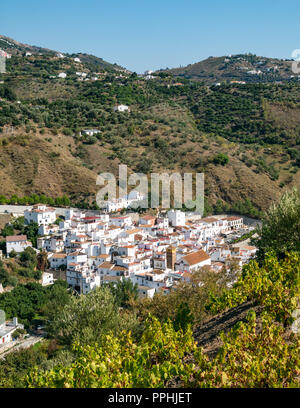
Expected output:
(275, 285)
(247, 359)
(256, 353)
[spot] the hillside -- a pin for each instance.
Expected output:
(241, 67)
(16, 48)
(245, 138)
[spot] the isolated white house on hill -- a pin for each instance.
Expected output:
(121, 108)
(90, 132)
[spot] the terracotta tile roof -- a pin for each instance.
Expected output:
(16, 238)
(196, 257)
(119, 268)
(209, 219)
(148, 217)
(247, 248)
(107, 265)
(132, 231)
(59, 256)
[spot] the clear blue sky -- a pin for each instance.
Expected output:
(153, 34)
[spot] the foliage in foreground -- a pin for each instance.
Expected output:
(86, 318)
(257, 353)
(250, 358)
(276, 286)
(247, 359)
(280, 230)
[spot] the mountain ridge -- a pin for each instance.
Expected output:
(17, 48)
(239, 67)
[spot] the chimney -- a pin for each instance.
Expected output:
(15, 321)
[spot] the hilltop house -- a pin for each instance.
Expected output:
(4, 54)
(121, 108)
(81, 74)
(89, 132)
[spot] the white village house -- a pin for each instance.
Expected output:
(7, 330)
(47, 279)
(193, 261)
(17, 243)
(176, 218)
(41, 214)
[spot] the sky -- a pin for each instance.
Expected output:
(153, 34)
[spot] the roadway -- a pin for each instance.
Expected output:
(21, 344)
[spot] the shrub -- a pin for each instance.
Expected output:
(221, 159)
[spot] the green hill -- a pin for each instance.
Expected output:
(245, 138)
(241, 67)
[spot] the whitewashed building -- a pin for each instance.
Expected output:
(41, 214)
(17, 243)
(193, 261)
(121, 108)
(176, 218)
(7, 330)
(47, 279)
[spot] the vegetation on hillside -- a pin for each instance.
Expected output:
(245, 138)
